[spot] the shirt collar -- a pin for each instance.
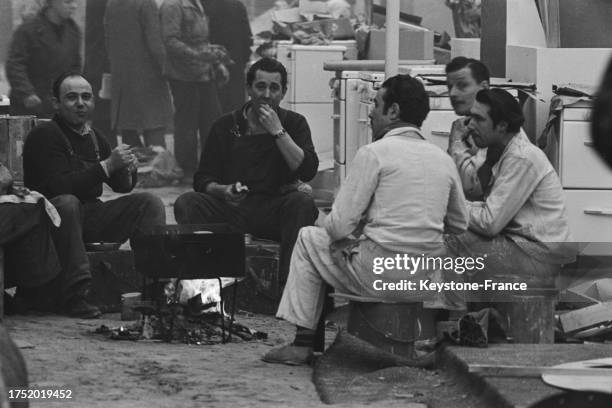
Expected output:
(84, 132)
(405, 130)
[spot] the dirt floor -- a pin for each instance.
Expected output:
(64, 353)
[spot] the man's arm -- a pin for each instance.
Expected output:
(354, 196)
(295, 144)
(467, 157)
(121, 165)
(456, 220)
(514, 185)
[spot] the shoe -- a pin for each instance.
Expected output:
(79, 307)
(289, 354)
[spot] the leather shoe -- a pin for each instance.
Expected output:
(79, 307)
(289, 354)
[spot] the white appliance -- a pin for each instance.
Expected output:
(370, 83)
(346, 129)
(309, 92)
(585, 178)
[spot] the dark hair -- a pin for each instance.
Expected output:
(502, 108)
(268, 65)
(409, 93)
(601, 119)
(479, 71)
(60, 79)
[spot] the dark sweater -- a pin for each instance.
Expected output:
(230, 155)
(50, 168)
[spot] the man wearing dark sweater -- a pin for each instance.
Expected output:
(252, 158)
(67, 161)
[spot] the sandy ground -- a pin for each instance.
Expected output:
(62, 352)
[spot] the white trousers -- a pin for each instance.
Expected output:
(348, 271)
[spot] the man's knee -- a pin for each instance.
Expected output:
(301, 204)
(152, 206)
(66, 203)
(68, 207)
(188, 208)
(310, 236)
(183, 207)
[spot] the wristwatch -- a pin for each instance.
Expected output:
(280, 134)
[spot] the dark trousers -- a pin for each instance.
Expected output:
(111, 221)
(278, 217)
(196, 107)
(25, 234)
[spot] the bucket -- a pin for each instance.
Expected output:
(391, 327)
(128, 301)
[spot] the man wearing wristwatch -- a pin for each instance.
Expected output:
(251, 156)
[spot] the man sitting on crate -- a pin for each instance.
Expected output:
(250, 165)
(31, 262)
(400, 194)
(521, 222)
(67, 161)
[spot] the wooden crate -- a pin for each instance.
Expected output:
(13, 133)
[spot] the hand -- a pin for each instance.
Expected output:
(31, 101)
(269, 119)
(235, 192)
(19, 191)
(223, 75)
(120, 158)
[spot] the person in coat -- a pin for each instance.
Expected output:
(41, 49)
(140, 94)
(230, 27)
(97, 64)
(193, 66)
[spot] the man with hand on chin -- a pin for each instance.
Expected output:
(464, 78)
(521, 223)
(251, 160)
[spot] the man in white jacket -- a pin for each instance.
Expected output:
(400, 195)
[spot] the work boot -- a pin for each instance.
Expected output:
(77, 303)
(77, 306)
(289, 354)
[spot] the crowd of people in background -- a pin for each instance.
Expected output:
(173, 64)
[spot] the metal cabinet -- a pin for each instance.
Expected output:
(586, 181)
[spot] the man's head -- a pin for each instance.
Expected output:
(495, 117)
(465, 77)
(73, 98)
(400, 99)
(267, 82)
(63, 9)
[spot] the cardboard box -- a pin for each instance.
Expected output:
(335, 28)
(413, 45)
